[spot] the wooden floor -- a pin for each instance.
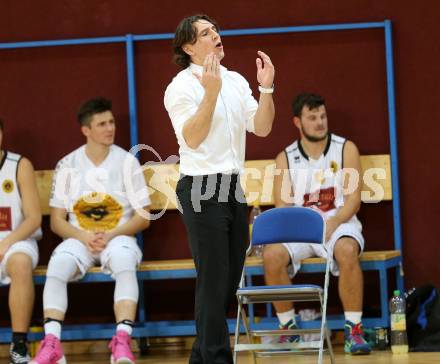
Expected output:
(378, 357)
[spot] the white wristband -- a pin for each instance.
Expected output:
(265, 90)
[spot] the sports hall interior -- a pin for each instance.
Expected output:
(41, 89)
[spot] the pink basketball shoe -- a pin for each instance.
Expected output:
(50, 352)
(121, 350)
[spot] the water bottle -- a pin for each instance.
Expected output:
(258, 249)
(399, 339)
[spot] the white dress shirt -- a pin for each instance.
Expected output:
(223, 150)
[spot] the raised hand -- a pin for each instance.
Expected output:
(265, 70)
(211, 78)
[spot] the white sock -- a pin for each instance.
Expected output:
(124, 327)
(285, 317)
(54, 328)
(352, 316)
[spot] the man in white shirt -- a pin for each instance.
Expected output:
(211, 108)
(99, 202)
(20, 219)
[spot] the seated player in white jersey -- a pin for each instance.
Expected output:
(99, 202)
(20, 220)
(311, 176)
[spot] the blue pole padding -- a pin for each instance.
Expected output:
(305, 28)
(393, 136)
(131, 78)
(132, 107)
(160, 36)
(398, 244)
(276, 30)
(63, 42)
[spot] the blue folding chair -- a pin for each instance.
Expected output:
(286, 224)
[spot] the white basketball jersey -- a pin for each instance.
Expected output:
(11, 211)
(99, 198)
(317, 182)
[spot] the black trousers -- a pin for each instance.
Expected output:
(215, 216)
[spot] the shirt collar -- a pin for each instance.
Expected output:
(199, 69)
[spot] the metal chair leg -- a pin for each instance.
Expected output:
(329, 345)
(237, 331)
(324, 312)
(321, 333)
(248, 331)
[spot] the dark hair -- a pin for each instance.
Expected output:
(186, 33)
(312, 101)
(92, 107)
(1, 125)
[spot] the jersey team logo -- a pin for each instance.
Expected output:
(320, 176)
(98, 212)
(8, 186)
(5, 219)
(324, 199)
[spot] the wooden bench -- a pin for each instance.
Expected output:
(257, 181)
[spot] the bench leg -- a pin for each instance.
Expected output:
(144, 345)
(383, 280)
(143, 341)
(399, 278)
